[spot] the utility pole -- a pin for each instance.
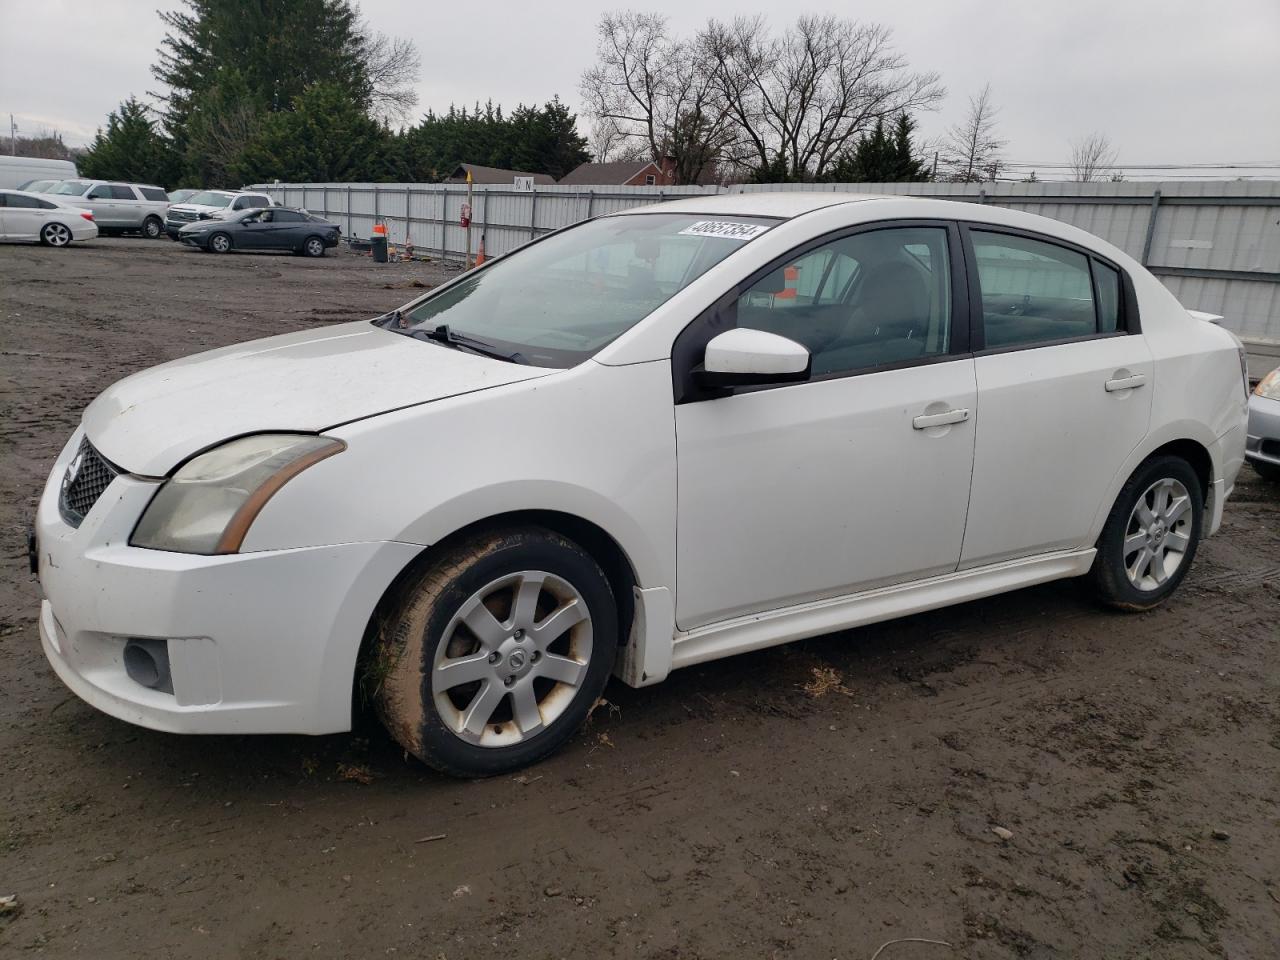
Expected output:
(13, 137)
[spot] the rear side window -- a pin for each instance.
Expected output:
(287, 216)
(121, 192)
(1033, 291)
(1107, 281)
(154, 193)
(28, 203)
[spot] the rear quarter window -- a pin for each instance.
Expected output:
(154, 193)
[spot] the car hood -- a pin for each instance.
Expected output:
(308, 381)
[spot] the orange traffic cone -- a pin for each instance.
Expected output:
(790, 277)
(480, 252)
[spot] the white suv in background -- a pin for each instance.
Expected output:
(117, 207)
(208, 204)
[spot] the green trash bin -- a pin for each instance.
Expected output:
(379, 248)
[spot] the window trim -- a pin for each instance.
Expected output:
(1128, 322)
(689, 346)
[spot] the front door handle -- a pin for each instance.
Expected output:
(1126, 383)
(924, 422)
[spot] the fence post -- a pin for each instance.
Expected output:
(1151, 226)
(484, 224)
(444, 207)
(591, 197)
(533, 215)
(349, 229)
(408, 214)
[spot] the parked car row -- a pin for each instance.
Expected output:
(219, 221)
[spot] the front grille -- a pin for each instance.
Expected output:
(181, 215)
(87, 476)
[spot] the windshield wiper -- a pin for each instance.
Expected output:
(442, 334)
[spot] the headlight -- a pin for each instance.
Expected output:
(1269, 386)
(208, 505)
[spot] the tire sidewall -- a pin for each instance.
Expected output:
(213, 243)
(1111, 577)
(430, 604)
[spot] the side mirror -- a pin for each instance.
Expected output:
(742, 357)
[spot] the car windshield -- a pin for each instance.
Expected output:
(208, 198)
(179, 195)
(560, 300)
(71, 188)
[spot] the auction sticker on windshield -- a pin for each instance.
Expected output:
(725, 230)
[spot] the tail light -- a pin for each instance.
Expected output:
(88, 215)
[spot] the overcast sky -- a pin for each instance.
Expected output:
(1184, 81)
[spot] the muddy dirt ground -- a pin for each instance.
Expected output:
(812, 801)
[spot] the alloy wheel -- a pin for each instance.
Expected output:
(315, 248)
(512, 659)
(220, 243)
(1158, 534)
(57, 235)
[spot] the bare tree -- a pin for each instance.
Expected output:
(1092, 158)
(650, 88)
(392, 65)
(972, 149)
(799, 100)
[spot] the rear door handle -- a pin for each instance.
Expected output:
(924, 422)
(1126, 383)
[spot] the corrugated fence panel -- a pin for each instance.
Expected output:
(1206, 237)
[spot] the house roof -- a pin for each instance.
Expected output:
(607, 173)
(481, 174)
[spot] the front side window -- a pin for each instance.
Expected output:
(101, 192)
(558, 301)
(863, 301)
(1035, 292)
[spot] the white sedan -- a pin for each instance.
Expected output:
(37, 216)
(643, 442)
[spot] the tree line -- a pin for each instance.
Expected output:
(304, 90)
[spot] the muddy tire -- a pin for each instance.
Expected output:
(1150, 537)
(491, 658)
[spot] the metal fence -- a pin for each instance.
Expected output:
(1216, 245)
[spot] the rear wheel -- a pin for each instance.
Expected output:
(55, 235)
(494, 656)
(313, 247)
(152, 227)
(1150, 537)
(220, 243)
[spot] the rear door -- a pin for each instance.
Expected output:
(1064, 391)
(128, 205)
(23, 217)
(288, 229)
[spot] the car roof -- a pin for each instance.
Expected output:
(784, 204)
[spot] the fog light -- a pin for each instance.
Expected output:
(147, 662)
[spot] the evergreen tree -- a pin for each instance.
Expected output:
(326, 136)
(881, 156)
(130, 149)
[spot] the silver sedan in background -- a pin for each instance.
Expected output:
(1262, 448)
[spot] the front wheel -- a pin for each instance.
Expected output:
(219, 243)
(55, 235)
(314, 247)
(152, 227)
(494, 656)
(1150, 537)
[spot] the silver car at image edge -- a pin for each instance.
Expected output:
(1262, 444)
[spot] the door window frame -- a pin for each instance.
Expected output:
(689, 347)
(1128, 321)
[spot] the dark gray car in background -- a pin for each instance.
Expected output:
(1262, 444)
(269, 228)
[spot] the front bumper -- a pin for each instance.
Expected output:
(1262, 445)
(262, 642)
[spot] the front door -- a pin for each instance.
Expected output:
(855, 479)
(1064, 389)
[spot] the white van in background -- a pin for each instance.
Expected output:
(15, 171)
